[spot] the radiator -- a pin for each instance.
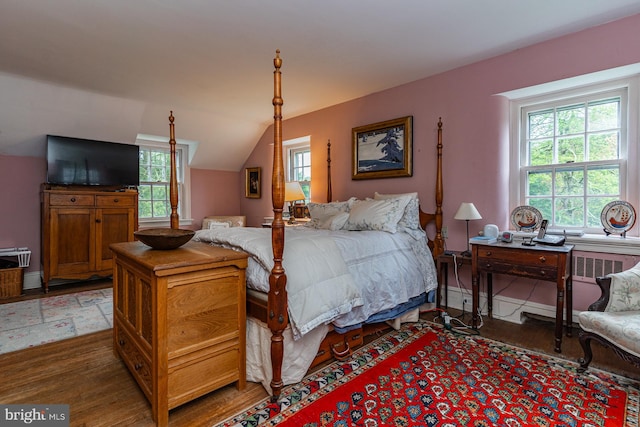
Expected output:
(589, 265)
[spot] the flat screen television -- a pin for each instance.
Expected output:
(75, 161)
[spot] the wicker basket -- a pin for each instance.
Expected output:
(11, 282)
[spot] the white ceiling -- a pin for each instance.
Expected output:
(119, 66)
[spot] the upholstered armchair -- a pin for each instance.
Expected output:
(614, 320)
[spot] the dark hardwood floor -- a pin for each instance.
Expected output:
(85, 373)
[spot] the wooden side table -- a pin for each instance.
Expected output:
(548, 263)
(444, 260)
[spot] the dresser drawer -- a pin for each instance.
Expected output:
(138, 364)
(114, 201)
(71, 199)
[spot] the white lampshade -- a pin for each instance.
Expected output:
(467, 211)
(293, 191)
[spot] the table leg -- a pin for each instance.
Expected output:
(569, 306)
(559, 316)
(490, 295)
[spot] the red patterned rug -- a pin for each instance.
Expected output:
(424, 376)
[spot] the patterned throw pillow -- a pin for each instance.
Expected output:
(381, 215)
(625, 290)
(322, 212)
(411, 216)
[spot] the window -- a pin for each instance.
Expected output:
(573, 156)
(298, 155)
(154, 204)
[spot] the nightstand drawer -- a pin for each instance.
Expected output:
(488, 254)
(540, 272)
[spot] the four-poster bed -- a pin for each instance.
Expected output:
(287, 333)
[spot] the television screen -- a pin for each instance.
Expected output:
(74, 161)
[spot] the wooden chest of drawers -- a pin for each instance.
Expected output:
(179, 320)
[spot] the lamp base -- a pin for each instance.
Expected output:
(466, 254)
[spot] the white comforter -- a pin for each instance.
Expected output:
(342, 277)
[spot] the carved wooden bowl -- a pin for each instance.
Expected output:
(164, 238)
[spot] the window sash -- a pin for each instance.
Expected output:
(562, 184)
(154, 201)
(299, 167)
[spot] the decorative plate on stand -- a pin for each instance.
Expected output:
(526, 218)
(618, 217)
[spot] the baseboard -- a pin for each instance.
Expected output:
(504, 308)
(32, 280)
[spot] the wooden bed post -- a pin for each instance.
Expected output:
(277, 317)
(329, 193)
(438, 241)
(173, 179)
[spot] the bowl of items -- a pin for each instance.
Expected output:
(164, 238)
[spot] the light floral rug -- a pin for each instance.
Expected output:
(39, 321)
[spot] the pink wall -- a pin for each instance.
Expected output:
(475, 131)
(214, 193)
(20, 204)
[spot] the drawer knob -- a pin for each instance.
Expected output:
(488, 253)
(543, 259)
(121, 342)
(137, 366)
(115, 200)
(73, 200)
(488, 265)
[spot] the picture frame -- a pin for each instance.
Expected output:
(253, 183)
(383, 150)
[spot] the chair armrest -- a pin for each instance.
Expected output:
(605, 289)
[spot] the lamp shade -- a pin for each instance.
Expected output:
(293, 191)
(467, 211)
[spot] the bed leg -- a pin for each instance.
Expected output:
(277, 352)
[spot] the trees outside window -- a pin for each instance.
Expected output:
(573, 157)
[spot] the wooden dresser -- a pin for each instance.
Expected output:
(78, 225)
(179, 320)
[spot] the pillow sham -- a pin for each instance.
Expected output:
(381, 215)
(218, 224)
(411, 216)
(333, 223)
(321, 212)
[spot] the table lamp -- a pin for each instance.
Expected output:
(467, 211)
(292, 192)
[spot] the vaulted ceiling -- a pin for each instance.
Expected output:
(112, 69)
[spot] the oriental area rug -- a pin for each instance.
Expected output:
(422, 375)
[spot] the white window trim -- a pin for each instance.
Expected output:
(627, 76)
(185, 218)
(294, 144)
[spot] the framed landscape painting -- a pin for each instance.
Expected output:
(253, 183)
(383, 150)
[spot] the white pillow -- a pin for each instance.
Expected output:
(217, 224)
(321, 212)
(381, 215)
(411, 216)
(333, 223)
